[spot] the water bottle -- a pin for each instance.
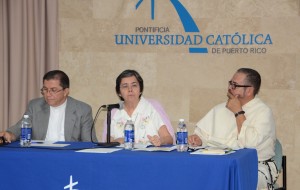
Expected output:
(182, 136)
(129, 135)
(25, 138)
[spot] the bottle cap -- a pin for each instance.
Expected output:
(181, 120)
(26, 116)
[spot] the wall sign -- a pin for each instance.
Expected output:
(192, 39)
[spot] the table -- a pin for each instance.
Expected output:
(64, 168)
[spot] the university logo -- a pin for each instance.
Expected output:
(192, 39)
(187, 21)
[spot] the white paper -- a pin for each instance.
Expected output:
(214, 151)
(41, 143)
(137, 145)
(141, 145)
(99, 150)
(152, 149)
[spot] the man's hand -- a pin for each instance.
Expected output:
(233, 103)
(9, 137)
(194, 140)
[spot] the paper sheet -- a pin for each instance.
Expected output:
(40, 143)
(99, 150)
(152, 149)
(213, 151)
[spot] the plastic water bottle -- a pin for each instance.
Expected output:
(182, 136)
(129, 135)
(26, 130)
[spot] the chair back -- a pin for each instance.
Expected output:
(278, 155)
(280, 161)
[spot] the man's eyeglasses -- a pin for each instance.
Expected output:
(235, 85)
(51, 91)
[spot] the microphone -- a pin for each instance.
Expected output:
(112, 106)
(108, 107)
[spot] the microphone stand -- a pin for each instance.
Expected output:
(108, 143)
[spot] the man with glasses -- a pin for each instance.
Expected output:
(244, 121)
(56, 116)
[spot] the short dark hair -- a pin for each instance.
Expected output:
(129, 73)
(252, 78)
(58, 75)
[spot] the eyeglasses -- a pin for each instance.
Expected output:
(126, 86)
(235, 85)
(192, 149)
(51, 91)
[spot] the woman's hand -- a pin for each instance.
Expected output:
(155, 140)
(119, 140)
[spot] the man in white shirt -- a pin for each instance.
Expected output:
(56, 116)
(244, 121)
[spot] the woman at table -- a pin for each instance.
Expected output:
(150, 127)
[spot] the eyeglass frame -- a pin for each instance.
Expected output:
(234, 85)
(134, 85)
(50, 91)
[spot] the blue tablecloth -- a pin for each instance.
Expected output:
(40, 168)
